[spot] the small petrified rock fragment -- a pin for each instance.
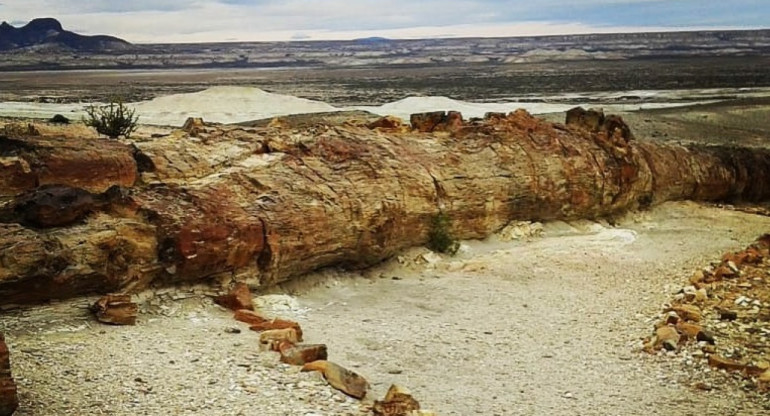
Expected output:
(115, 310)
(591, 119)
(340, 378)
(436, 121)
(704, 336)
(302, 354)
(667, 337)
(238, 298)
(248, 316)
(9, 399)
(193, 125)
(59, 119)
(689, 330)
(277, 324)
(688, 312)
(387, 123)
(275, 336)
(398, 402)
(763, 381)
(727, 315)
(722, 363)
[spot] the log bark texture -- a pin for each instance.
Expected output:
(9, 399)
(262, 205)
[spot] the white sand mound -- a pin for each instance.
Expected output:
(231, 104)
(224, 105)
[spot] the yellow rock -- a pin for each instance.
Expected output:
(688, 312)
(340, 378)
(666, 337)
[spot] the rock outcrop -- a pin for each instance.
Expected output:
(9, 399)
(264, 204)
(49, 32)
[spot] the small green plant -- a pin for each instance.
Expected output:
(439, 238)
(112, 120)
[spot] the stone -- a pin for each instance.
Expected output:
(272, 324)
(764, 381)
(249, 316)
(275, 336)
(436, 121)
(397, 402)
(727, 315)
(194, 126)
(705, 336)
(115, 309)
(237, 299)
(59, 119)
(612, 127)
(301, 354)
(688, 312)
(591, 119)
(722, 363)
(9, 399)
(666, 337)
(387, 123)
(689, 330)
(724, 271)
(697, 278)
(340, 378)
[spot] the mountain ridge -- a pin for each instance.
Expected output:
(48, 31)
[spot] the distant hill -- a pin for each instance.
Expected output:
(48, 32)
(374, 40)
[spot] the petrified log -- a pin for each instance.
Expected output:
(264, 204)
(9, 399)
(340, 378)
(116, 310)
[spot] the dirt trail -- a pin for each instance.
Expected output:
(549, 326)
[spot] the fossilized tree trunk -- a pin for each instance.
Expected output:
(265, 204)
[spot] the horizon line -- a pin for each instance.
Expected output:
(597, 31)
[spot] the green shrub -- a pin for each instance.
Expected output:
(439, 238)
(112, 120)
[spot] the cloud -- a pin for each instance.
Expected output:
(201, 20)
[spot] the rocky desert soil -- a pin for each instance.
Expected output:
(549, 323)
(552, 322)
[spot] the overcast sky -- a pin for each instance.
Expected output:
(229, 20)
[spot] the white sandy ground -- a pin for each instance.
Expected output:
(543, 326)
(231, 104)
